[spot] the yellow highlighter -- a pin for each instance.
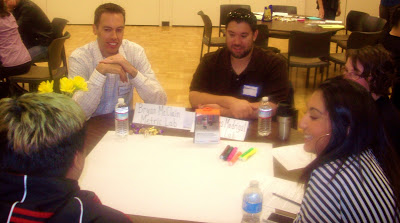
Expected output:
(248, 155)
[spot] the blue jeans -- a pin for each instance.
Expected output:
(38, 53)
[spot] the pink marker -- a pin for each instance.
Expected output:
(231, 154)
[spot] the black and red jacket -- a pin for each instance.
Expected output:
(26, 199)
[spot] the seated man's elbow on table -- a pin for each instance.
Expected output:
(229, 106)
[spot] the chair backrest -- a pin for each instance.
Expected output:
(58, 25)
(54, 51)
(262, 37)
(207, 25)
(373, 24)
(225, 9)
(292, 10)
(359, 40)
(355, 21)
(309, 45)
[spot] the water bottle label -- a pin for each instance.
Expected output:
(121, 114)
(252, 208)
(265, 113)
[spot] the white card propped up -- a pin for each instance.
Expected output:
(293, 157)
(160, 115)
(233, 128)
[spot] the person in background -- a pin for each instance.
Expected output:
(355, 176)
(328, 9)
(34, 26)
(372, 67)
(112, 66)
(14, 57)
(41, 159)
(391, 42)
(386, 9)
(236, 77)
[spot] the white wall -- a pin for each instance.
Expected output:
(183, 12)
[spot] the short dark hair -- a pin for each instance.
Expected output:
(242, 15)
(378, 64)
(40, 134)
(110, 8)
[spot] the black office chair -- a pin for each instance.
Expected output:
(292, 10)
(354, 23)
(223, 13)
(309, 50)
(373, 24)
(207, 33)
(58, 25)
(54, 71)
(356, 40)
(262, 39)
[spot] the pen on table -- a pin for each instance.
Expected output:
(233, 152)
(286, 199)
(223, 153)
(245, 153)
(235, 158)
(248, 155)
(227, 153)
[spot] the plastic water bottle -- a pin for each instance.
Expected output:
(252, 203)
(121, 118)
(264, 118)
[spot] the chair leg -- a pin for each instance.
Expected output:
(327, 73)
(315, 76)
(337, 47)
(208, 49)
(308, 75)
(201, 52)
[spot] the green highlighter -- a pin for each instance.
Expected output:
(245, 153)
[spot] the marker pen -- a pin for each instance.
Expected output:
(235, 158)
(245, 153)
(227, 153)
(251, 153)
(223, 153)
(232, 154)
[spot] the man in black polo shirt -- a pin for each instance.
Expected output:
(236, 77)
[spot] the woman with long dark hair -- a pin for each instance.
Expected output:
(355, 177)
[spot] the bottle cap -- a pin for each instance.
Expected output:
(264, 99)
(121, 100)
(254, 183)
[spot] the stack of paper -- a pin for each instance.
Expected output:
(282, 195)
(293, 157)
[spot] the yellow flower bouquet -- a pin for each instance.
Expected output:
(67, 86)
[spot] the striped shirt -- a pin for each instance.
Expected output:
(359, 192)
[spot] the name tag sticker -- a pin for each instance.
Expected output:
(250, 90)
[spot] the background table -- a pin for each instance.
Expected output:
(277, 25)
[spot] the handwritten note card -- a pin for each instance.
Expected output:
(233, 128)
(159, 115)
